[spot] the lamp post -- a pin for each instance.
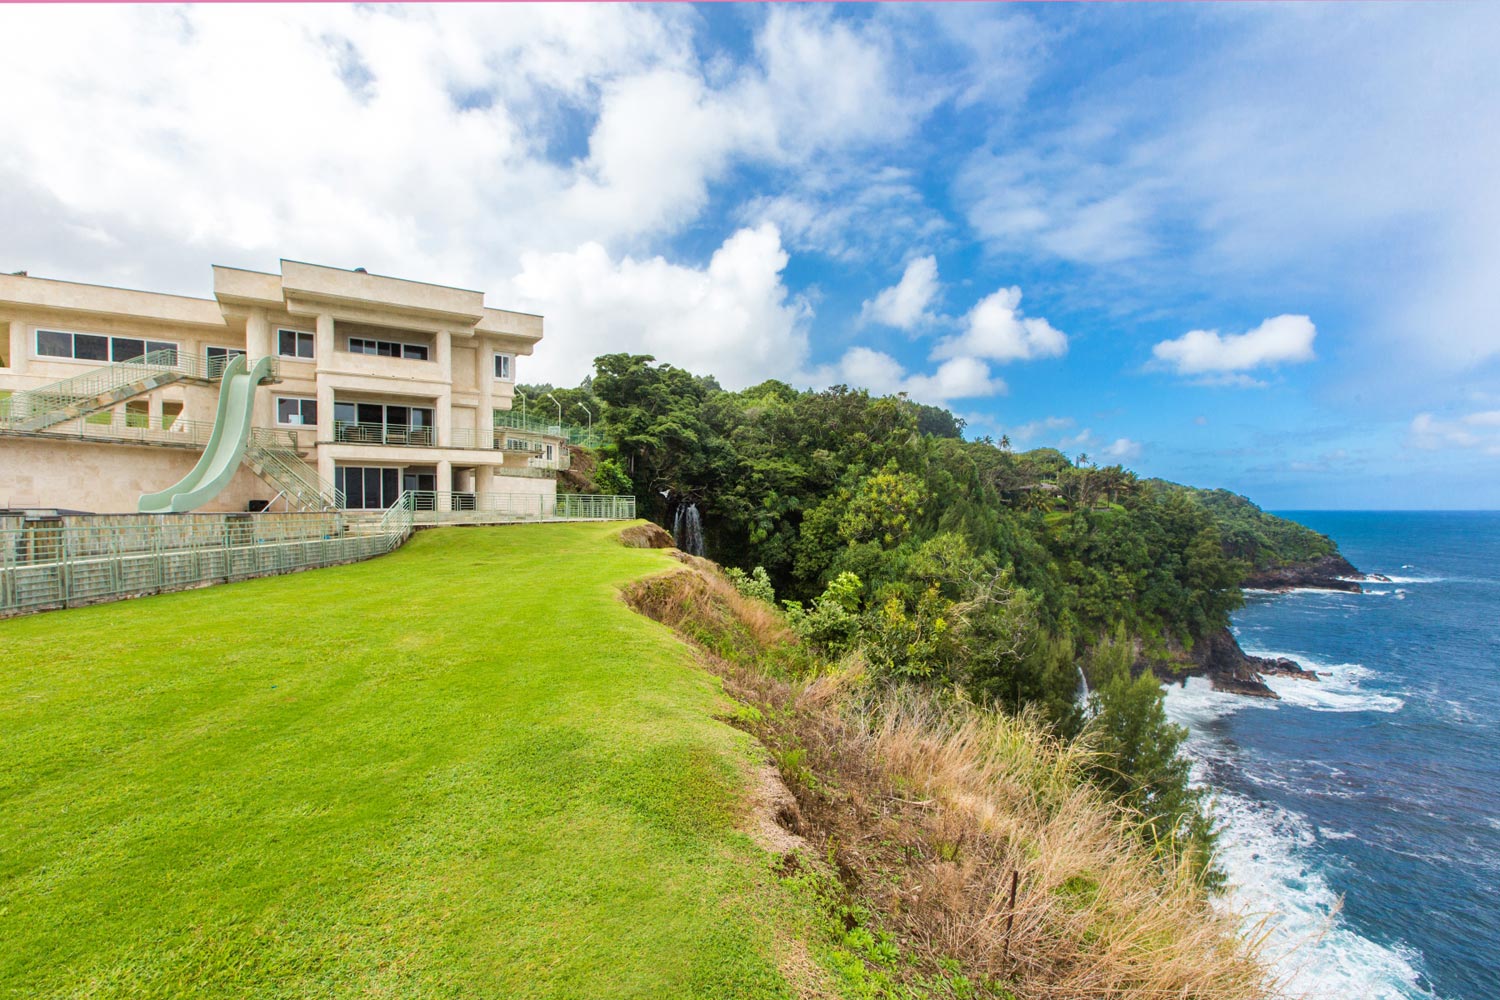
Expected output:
(523, 405)
(559, 407)
(591, 421)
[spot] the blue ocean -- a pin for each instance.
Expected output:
(1361, 813)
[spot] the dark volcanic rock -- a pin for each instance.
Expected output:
(1218, 657)
(1328, 573)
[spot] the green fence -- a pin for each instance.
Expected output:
(49, 561)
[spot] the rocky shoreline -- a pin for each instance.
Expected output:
(1229, 668)
(1329, 573)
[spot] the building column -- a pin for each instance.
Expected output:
(257, 346)
(445, 476)
(443, 355)
(323, 349)
(484, 432)
(19, 349)
(323, 344)
(153, 410)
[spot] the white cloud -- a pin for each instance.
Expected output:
(905, 304)
(996, 330)
(434, 142)
(1123, 449)
(1474, 432)
(1324, 153)
(864, 367)
(733, 319)
(1282, 339)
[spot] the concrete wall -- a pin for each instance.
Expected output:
(105, 478)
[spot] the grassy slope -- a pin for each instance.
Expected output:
(463, 770)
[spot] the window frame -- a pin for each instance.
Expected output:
(398, 352)
(301, 411)
(510, 367)
(148, 346)
(297, 335)
(341, 482)
(229, 352)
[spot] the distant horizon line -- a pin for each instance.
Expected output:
(1382, 510)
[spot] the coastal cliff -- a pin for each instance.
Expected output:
(1218, 655)
(1330, 572)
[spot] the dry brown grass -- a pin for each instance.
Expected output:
(928, 811)
(645, 536)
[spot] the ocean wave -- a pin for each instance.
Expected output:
(1413, 579)
(1274, 885)
(1337, 688)
(1272, 881)
(1194, 702)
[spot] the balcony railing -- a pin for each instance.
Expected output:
(387, 434)
(548, 428)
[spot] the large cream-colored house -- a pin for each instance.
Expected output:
(380, 385)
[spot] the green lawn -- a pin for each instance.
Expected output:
(462, 770)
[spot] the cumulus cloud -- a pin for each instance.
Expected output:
(1282, 339)
(734, 319)
(1245, 163)
(1123, 449)
(1474, 432)
(434, 142)
(996, 330)
(905, 304)
(864, 367)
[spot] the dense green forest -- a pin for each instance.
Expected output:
(1006, 578)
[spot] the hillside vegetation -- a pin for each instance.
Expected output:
(973, 855)
(1005, 579)
(462, 770)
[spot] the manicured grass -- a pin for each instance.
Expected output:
(462, 770)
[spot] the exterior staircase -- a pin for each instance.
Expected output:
(100, 388)
(277, 462)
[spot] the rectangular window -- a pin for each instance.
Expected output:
(126, 348)
(218, 357)
(97, 347)
(505, 367)
(368, 488)
(387, 349)
(295, 411)
(381, 423)
(52, 344)
(90, 347)
(295, 344)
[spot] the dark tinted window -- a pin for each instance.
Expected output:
(91, 347)
(52, 344)
(126, 349)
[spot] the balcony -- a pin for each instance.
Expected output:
(510, 419)
(385, 434)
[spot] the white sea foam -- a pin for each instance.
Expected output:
(1413, 579)
(1264, 851)
(1337, 689)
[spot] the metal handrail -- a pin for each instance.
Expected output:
(85, 559)
(568, 432)
(346, 432)
(156, 367)
(286, 469)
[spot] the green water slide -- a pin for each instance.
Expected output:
(226, 444)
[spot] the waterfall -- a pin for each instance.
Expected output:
(1083, 689)
(687, 529)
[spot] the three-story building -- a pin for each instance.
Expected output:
(380, 385)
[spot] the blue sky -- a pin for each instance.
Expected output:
(1252, 246)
